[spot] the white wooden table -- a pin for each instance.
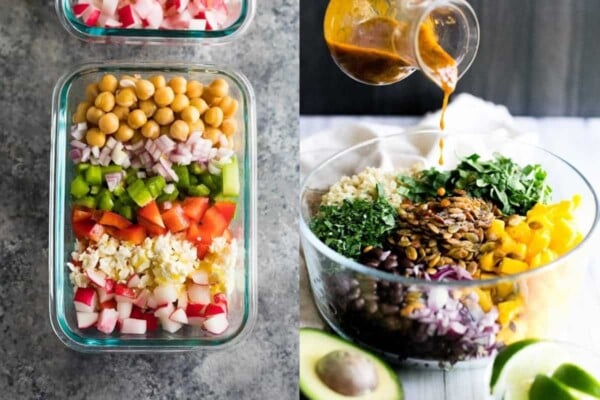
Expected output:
(578, 141)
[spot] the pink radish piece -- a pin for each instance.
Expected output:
(164, 311)
(155, 17)
(142, 299)
(165, 294)
(143, 8)
(169, 325)
(197, 24)
(124, 310)
(98, 278)
(152, 303)
(200, 277)
(103, 295)
(216, 324)
(196, 321)
(91, 16)
(109, 7)
(110, 285)
(180, 316)
(199, 294)
(127, 16)
(107, 320)
(86, 300)
(85, 319)
(134, 281)
(133, 326)
(213, 309)
(80, 9)
(182, 299)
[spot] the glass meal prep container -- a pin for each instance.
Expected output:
(238, 21)
(371, 306)
(68, 92)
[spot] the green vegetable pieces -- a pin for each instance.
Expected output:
(350, 227)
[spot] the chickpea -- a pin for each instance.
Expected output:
(200, 104)
(229, 126)
(178, 84)
(105, 101)
(124, 133)
(136, 119)
(93, 115)
(164, 96)
(194, 89)
(94, 137)
(144, 89)
(151, 130)
(80, 115)
(109, 123)
(212, 134)
(127, 81)
(126, 97)
(121, 112)
(108, 83)
(210, 99)
(180, 102)
(214, 117)
(158, 81)
(219, 87)
(190, 114)
(179, 130)
(232, 109)
(197, 126)
(149, 107)
(164, 130)
(83, 106)
(164, 116)
(91, 91)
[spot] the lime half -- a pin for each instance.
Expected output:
(577, 378)
(516, 367)
(546, 388)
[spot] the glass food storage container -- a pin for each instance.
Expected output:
(372, 307)
(240, 15)
(68, 92)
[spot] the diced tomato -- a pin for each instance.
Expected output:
(175, 219)
(134, 234)
(109, 286)
(202, 250)
(151, 228)
(114, 219)
(214, 222)
(227, 235)
(195, 310)
(195, 207)
(198, 234)
(227, 209)
(80, 214)
(111, 231)
(108, 304)
(88, 229)
(151, 213)
(123, 290)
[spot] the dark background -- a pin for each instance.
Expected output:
(538, 57)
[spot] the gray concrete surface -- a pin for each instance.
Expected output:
(34, 51)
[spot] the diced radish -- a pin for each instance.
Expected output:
(175, 6)
(182, 299)
(197, 24)
(103, 295)
(164, 311)
(213, 309)
(124, 310)
(97, 277)
(200, 277)
(216, 324)
(195, 310)
(91, 16)
(86, 300)
(124, 291)
(142, 299)
(124, 299)
(152, 303)
(112, 23)
(170, 326)
(133, 326)
(108, 304)
(220, 298)
(109, 7)
(127, 16)
(179, 315)
(143, 7)
(85, 319)
(80, 9)
(199, 294)
(134, 281)
(196, 321)
(155, 17)
(165, 294)
(107, 320)
(110, 285)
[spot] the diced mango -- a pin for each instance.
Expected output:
(508, 310)
(563, 237)
(508, 243)
(485, 299)
(504, 289)
(547, 256)
(496, 229)
(521, 232)
(540, 240)
(486, 262)
(536, 261)
(510, 266)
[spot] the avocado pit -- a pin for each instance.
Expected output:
(347, 373)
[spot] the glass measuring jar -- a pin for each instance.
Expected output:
(380, 42)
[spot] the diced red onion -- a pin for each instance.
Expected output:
(78, 145)
(169, 188)
(110, 142)
(167, 205)
(75, 155)
(113, 179)
(85, 154)
(95, 151)
(141, 174)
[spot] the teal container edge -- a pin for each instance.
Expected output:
(61, 240)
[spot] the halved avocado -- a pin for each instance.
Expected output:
(328, 362)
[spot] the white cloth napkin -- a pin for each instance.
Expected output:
(466, 114)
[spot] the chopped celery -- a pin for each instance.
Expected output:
(207, 180)
(111, 169)
(193, 180)
(119, 190)
(199, 190)
(155, 185)
(95, 189)
(105, 201)
(183, 175)
(79, 168)
(139, 193)
(79, 187)
(93, 175)
(87, 202)
(231, 178)
(221, 197)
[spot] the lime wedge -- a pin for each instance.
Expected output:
(577, 378)
(545, 388)
(515, 367)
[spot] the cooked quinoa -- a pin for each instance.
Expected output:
(362, 186)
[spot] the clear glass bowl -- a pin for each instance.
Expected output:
(68, 92)
(368, 305)
(237, 24)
